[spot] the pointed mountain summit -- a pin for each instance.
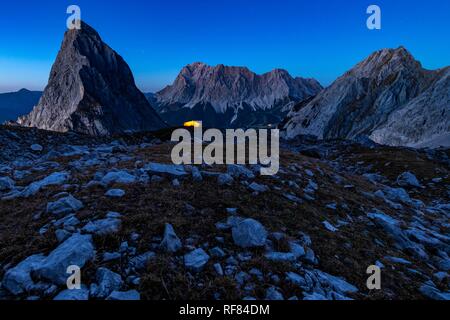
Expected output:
(368, 99)
(91, 90)
(225, 96)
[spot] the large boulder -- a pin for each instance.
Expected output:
(170, 243)
(77, 250)
(6, 184)
(249, 233)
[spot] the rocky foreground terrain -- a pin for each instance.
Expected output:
(142, 228)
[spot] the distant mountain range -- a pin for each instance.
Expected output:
(91, 90)
(388, 97)
(223, 96)
(16, 104)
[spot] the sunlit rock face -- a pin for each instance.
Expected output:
(91, 90)
(388, 97)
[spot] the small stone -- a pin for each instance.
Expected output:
(36, 147)
(407, 179)
(249, 233)
(196, 260)
(76, 294)
(6, 184)
(217, 252)
(115, 193)
(225, 179)
(258, 187)
(64, 206)
(218, 269)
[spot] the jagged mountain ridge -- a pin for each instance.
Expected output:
(91, 90)
(370, 96)
(235, 96)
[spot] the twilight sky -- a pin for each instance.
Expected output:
(320, 38)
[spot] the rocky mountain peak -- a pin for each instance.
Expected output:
(91, 90)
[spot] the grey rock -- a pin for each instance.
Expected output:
(73, 295)
(103, 226)
(196, 260)
(240, 171)
(272, 294)
(6, 184)
(225, 179)
(227, 91)
(131, 295)
(121, 177)
(108, 282)
(218, 269)
(407, 179)
(249, 233)
(18, 279)
(36, 147)
(384, 97)
(217, 252)
(77, 250)
(115, 193)
(280, 256)
(62, 235)
(140, 262)
(64, 206)
(56, 178)
(258, 187)
(169, 169)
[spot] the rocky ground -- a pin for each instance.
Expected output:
(142, 228)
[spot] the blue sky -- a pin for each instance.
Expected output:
(320, 38)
